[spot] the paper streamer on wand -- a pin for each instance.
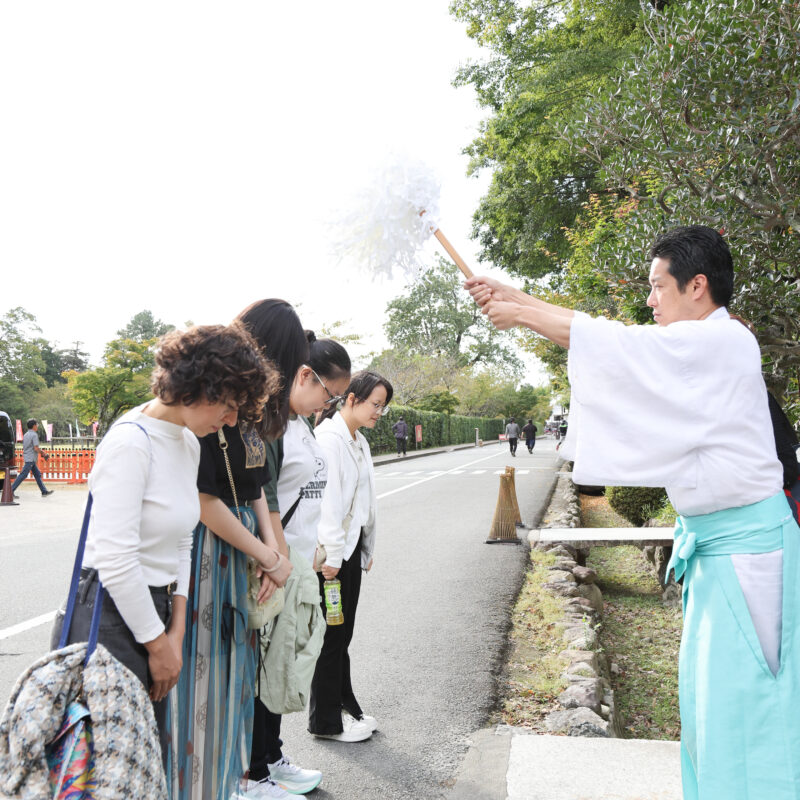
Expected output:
(393, 219)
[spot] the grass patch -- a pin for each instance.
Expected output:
(642, 637)
(533, 671)
(597, 513)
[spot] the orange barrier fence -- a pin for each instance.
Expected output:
(63, 466)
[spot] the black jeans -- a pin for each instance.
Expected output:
(512, 444)
(401, 445)
(331, 689)
(266, 748)
(116, 637)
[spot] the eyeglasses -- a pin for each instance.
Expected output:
(333, 399)
(380, 409)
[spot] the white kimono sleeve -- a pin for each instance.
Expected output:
(635, 394)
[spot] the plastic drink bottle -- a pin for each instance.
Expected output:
(333, 602)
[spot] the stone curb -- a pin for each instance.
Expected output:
(588, 707)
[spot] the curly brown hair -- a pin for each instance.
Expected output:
(215, 363)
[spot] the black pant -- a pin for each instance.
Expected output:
(512, 443)
(331, 689)
(401, 444)
(116, 637)
(267, 742)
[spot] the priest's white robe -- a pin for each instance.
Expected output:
(684, 406)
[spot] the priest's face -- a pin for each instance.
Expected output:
(668, 302)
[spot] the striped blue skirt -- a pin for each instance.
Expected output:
(214, 696)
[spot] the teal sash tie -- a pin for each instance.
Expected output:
(756, 528)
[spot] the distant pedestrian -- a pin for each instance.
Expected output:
(30, 456)
(512, 434)
(400, 430)
(529, 432)
(562, 429)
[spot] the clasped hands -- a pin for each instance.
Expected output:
(272, 576)
(496, 300)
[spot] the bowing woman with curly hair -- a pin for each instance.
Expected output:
(145, 502)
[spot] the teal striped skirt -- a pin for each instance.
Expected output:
(214, 696)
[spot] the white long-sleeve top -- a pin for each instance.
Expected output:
(145, 507)
(683, 406)
(351, 475)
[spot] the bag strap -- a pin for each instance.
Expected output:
(94, 626)
(223, 445)
(290, 513)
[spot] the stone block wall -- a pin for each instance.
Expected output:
(587, 704)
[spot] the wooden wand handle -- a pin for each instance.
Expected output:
(460, 263)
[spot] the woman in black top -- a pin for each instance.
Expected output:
(215, 691)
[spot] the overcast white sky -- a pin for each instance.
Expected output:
(186, 157)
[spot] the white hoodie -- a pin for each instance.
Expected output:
(351, 485)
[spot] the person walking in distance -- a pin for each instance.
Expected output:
(512, 434)
(30, 455)
(400, 430)
(529, 432)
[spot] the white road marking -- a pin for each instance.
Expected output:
(479, 471)
(431, 477)
(5, 633)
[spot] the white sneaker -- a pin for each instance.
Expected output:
(260, 790)
(371, 722)
(353, 730)
(292, 778)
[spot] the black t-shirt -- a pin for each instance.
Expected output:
(248, 458)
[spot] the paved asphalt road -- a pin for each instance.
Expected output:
(431, 626)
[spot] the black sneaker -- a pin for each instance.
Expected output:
(47, 492)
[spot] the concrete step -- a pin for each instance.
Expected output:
(578, 768)
(589, 537)
(505, 763)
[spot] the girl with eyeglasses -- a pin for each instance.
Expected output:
(347, 529)
(298, 477)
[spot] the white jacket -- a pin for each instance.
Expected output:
(334, 438)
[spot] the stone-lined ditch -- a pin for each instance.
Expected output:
(593, 650)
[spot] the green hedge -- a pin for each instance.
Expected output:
(438, 430)
(636, 503)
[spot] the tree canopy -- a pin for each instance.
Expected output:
(546, 57)
(435, 317)
(613, 121)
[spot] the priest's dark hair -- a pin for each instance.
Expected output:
(697, 250)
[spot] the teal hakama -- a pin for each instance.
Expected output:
(740, 724)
